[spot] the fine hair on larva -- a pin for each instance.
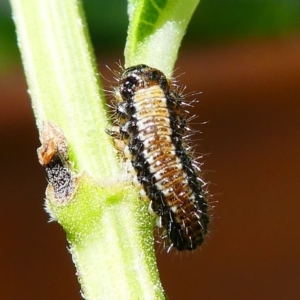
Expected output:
(152, 125)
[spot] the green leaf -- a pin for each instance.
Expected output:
(156, 30)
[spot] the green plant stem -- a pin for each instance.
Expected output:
(108, 228)
(115, 256)
(63, 82)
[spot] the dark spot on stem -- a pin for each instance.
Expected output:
(53, 155)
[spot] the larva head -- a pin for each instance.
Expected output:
(140, 77)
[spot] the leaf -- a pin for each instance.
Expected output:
(155, 32)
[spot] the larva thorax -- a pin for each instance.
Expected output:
(152, 124)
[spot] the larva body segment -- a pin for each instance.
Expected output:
(152, 124)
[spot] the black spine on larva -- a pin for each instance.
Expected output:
(153, 135)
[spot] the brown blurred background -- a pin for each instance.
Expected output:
(245, 58)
